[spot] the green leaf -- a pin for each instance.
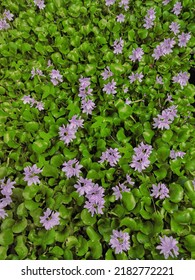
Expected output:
(90, 69)
(21, 249)
(109, 255)
(40, 146)
(71, 242)
(163, 153)
(148, 134)
(175, 192)
(96, 249)
(19, 226)
(131, 35)
(158, 222)
(57, 160)
(129, 222)
(189, 242)
(31, 126)
(87, 218)
(182, 217)
(128, 200)
(6, 237)
(31, 205)
(57, 251)
(93, 235)
(48, 237)
(143, 33)
(3, 172)
(161, 173)
(50, 171)
(124, 111)
(82, 247)
(118, 210)
(30, 192)
(3, 252)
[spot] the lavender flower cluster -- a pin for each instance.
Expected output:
(140, 160)
(112, 156)
(164, 119)
(110, 87)
(4, 22)
(160, 191)
(68, 133)
(85, 91)
(149, 18)
(72, 168)
(30, 100)
(175, 155)
(6, 191)
(93, 193)
(40, 4)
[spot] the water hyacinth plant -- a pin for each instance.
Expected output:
(97, 157)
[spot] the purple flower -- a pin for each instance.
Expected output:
(174, 27)
(110, 155)
(174, 154)
(56, 77)
(120, 18)
(30, 177)
(183, 39)
(4, 25)
(118, 190)
(137, 54)
(149, 18)
(168, 247)
(160, 191)
(140, 159)
(119, 241)
(76, 123)
(166, 118)
(95, 202)
(136, 77)
(6, 188)
(40, 4)
(129, 180)
(95, 206)
(127, 101)
(181, 78)
(163, 48)
(39, 105)
(110, 2)
(49, 63)
(169, 98)
(87, 106)
(177, 8)
(72, 168)
(118, 46)
(6, 191)
(107, 73)
(125, 4)
(84, 82)
(84, 186)
(84, 93)
(7, 15)
(50, 219)
(36, 72)
(165, 2)
(28, 100)
(110, 88)
(67, 134)
(159, 80)
(125, 89)
(3, 213)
